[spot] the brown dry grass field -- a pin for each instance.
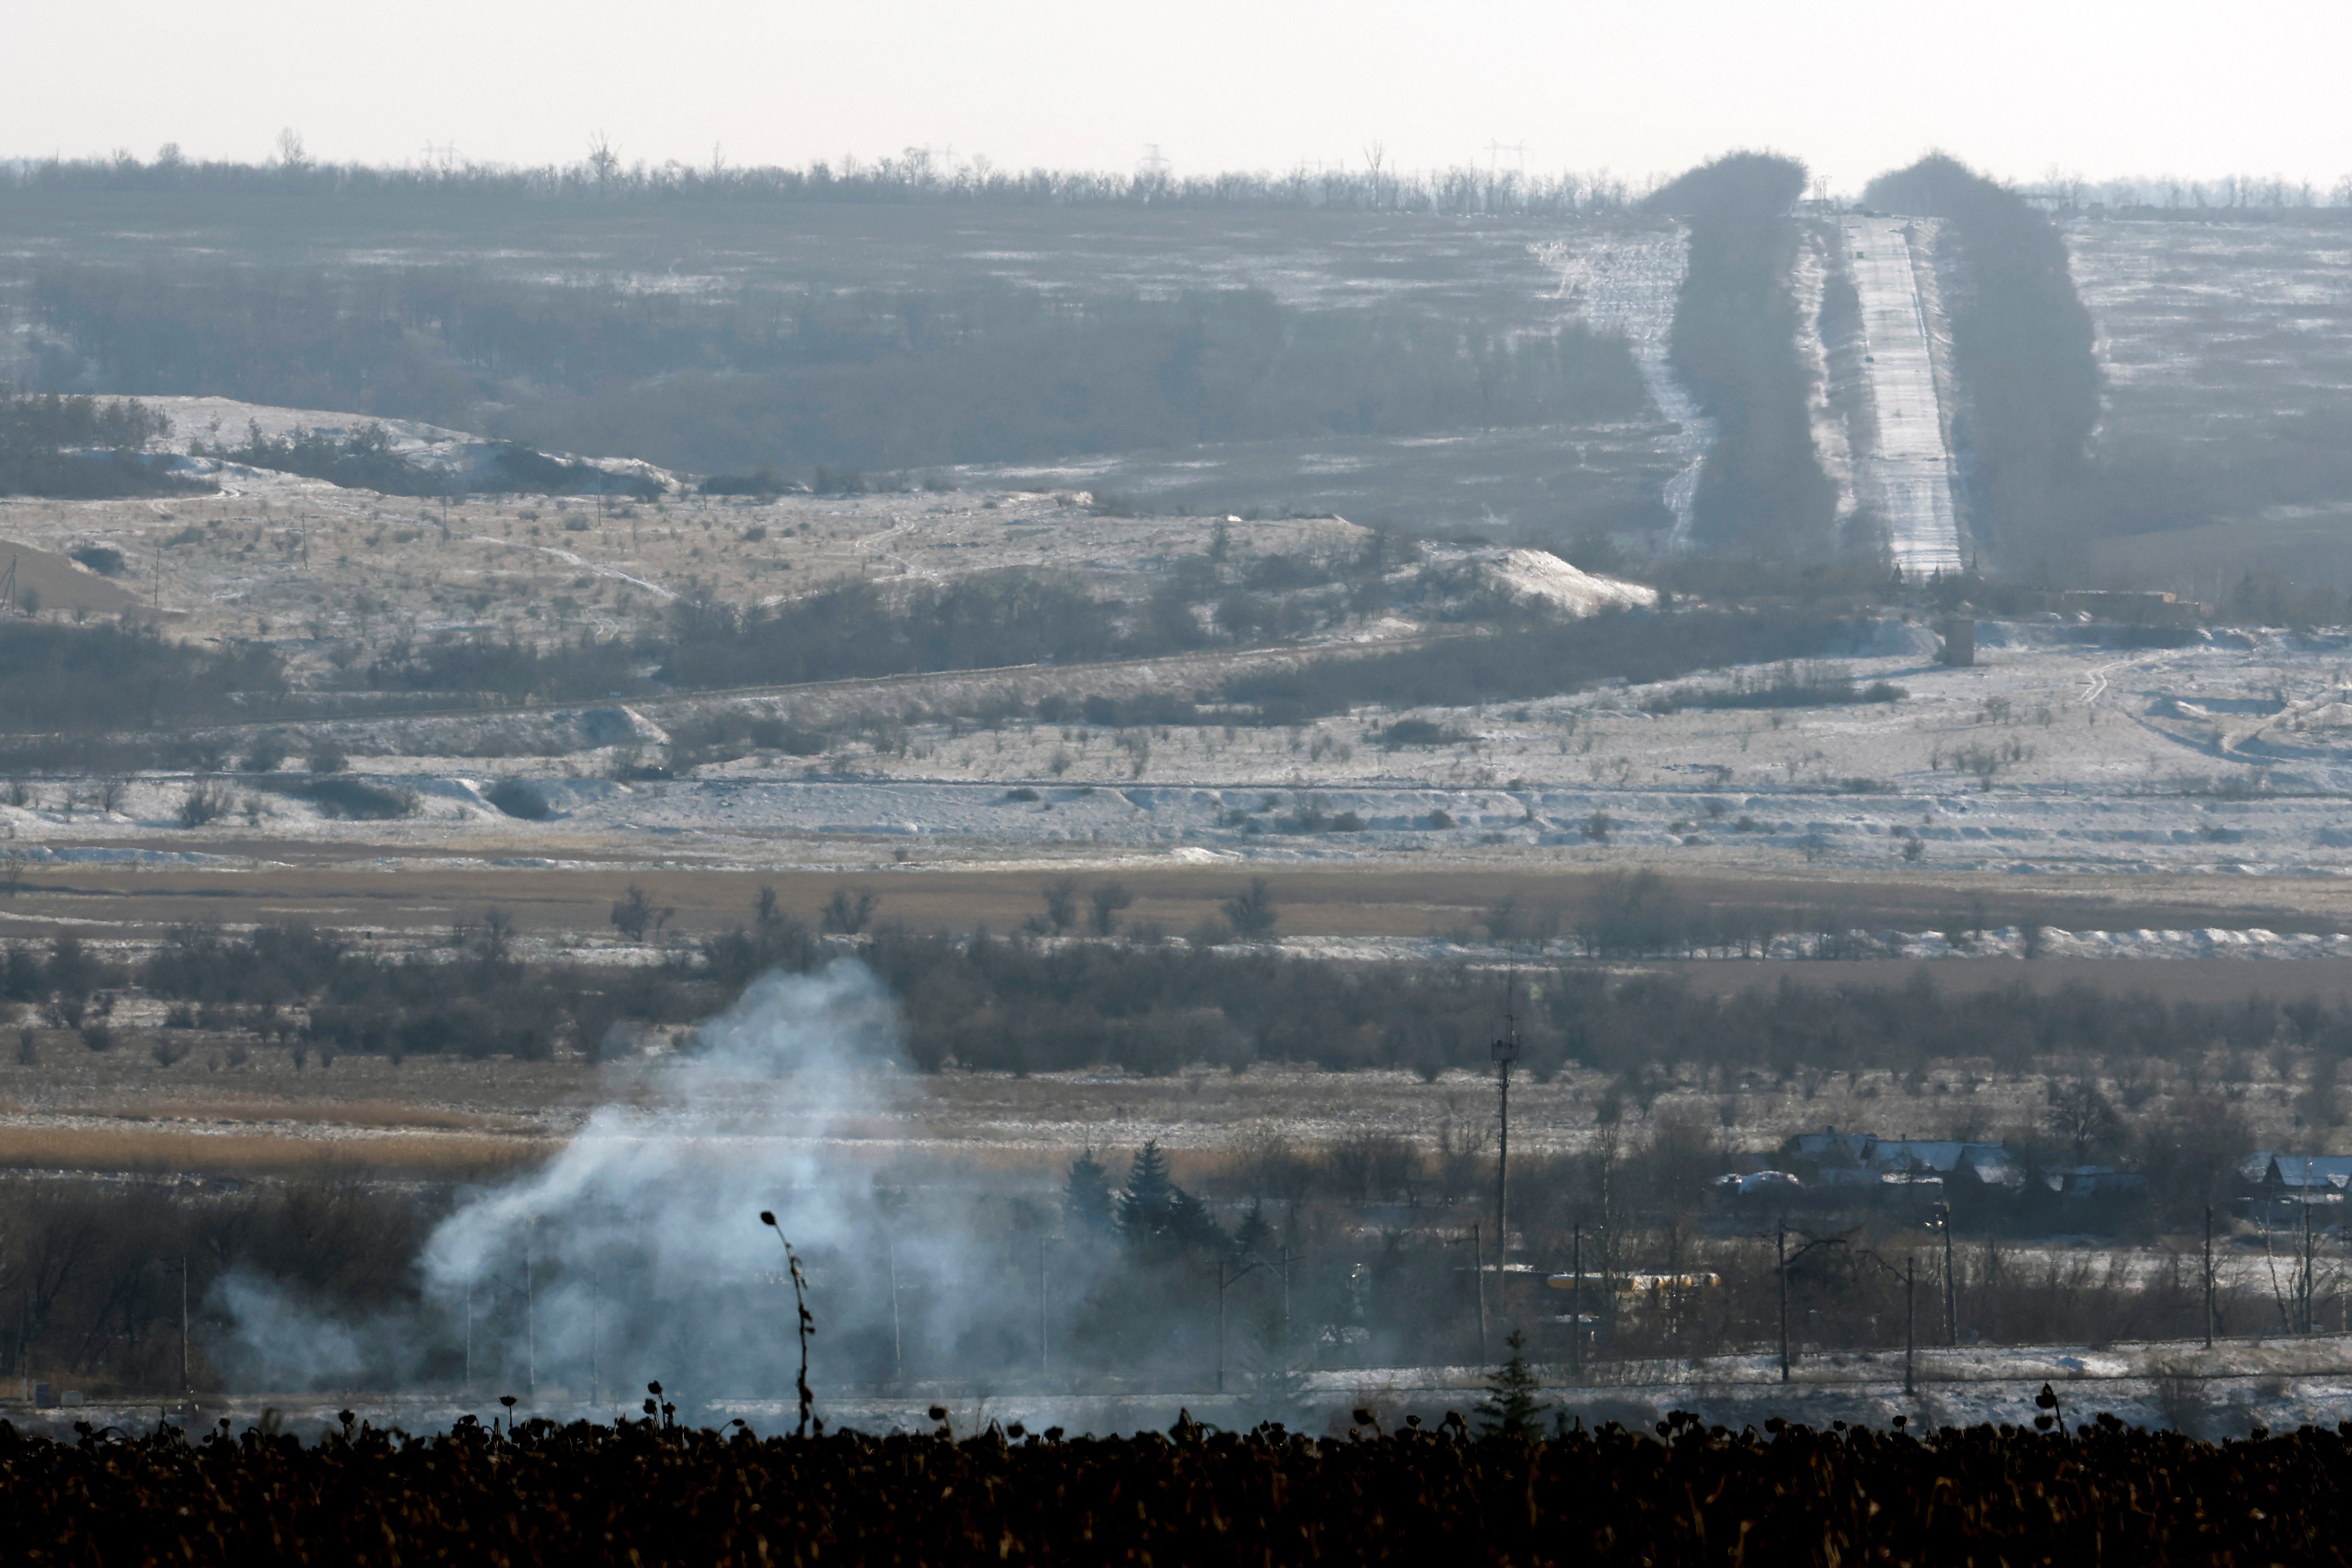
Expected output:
(415, 893)
(254, 1113)
(62, 584)
(158, 1150)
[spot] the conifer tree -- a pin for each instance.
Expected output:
(1250, 1236)
(1144, 1207)
(1189, 1222)
(1511, 1408)
(1086, 1199)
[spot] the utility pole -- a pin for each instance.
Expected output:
(1226, 1282)
(1045, 1343)
(530, 1318)
(1222, 1283)
(1910, 1338)
(185, 1385)
(1576, 1301)
(469, 1339)
(1951, 1314)
(1780, 1242)
(595, 1360)
(898, 1350)
(2310, 1252)
(1478, 1273)
(1505, 1051)
(1286, 1309)
(2208, 1276)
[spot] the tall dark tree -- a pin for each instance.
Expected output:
(1086, 1205)
(1252, 1235)
(1143, 1206)
(1190, 1225)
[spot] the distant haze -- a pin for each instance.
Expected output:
(2017, 87)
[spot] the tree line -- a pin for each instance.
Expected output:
(91, 680)
(82, 449)
(1021, 1002)
(1761, 489)
(916, 175)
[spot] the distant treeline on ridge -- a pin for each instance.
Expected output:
(917, 175)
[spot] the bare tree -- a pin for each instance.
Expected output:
(1376, 154)
(635, 914)
(2083, 1116)
(1251, 912)
(603, 162)
(847, 916)
(1109, 900)
(1061, 898)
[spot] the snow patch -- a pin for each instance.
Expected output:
(1539, 574)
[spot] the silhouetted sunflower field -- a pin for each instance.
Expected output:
(648, 1492)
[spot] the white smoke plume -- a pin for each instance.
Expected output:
(638, 1253)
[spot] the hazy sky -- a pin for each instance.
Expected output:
(2013, 86)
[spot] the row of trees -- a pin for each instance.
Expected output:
(82, 448)
(1761, 489)
(1541, 661)
(113, 676)
(1153, 1005)
(917, 174)
(95, 683)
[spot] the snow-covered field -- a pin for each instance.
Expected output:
(2225, 345)
(452, 455)
(2203, 321)
(1628, 284)
(2053, 758)
(2058, 756)
(320, 572)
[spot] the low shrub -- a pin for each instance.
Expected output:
(517, 798)
(344, 796)
(1417, 732)
(205, 802)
